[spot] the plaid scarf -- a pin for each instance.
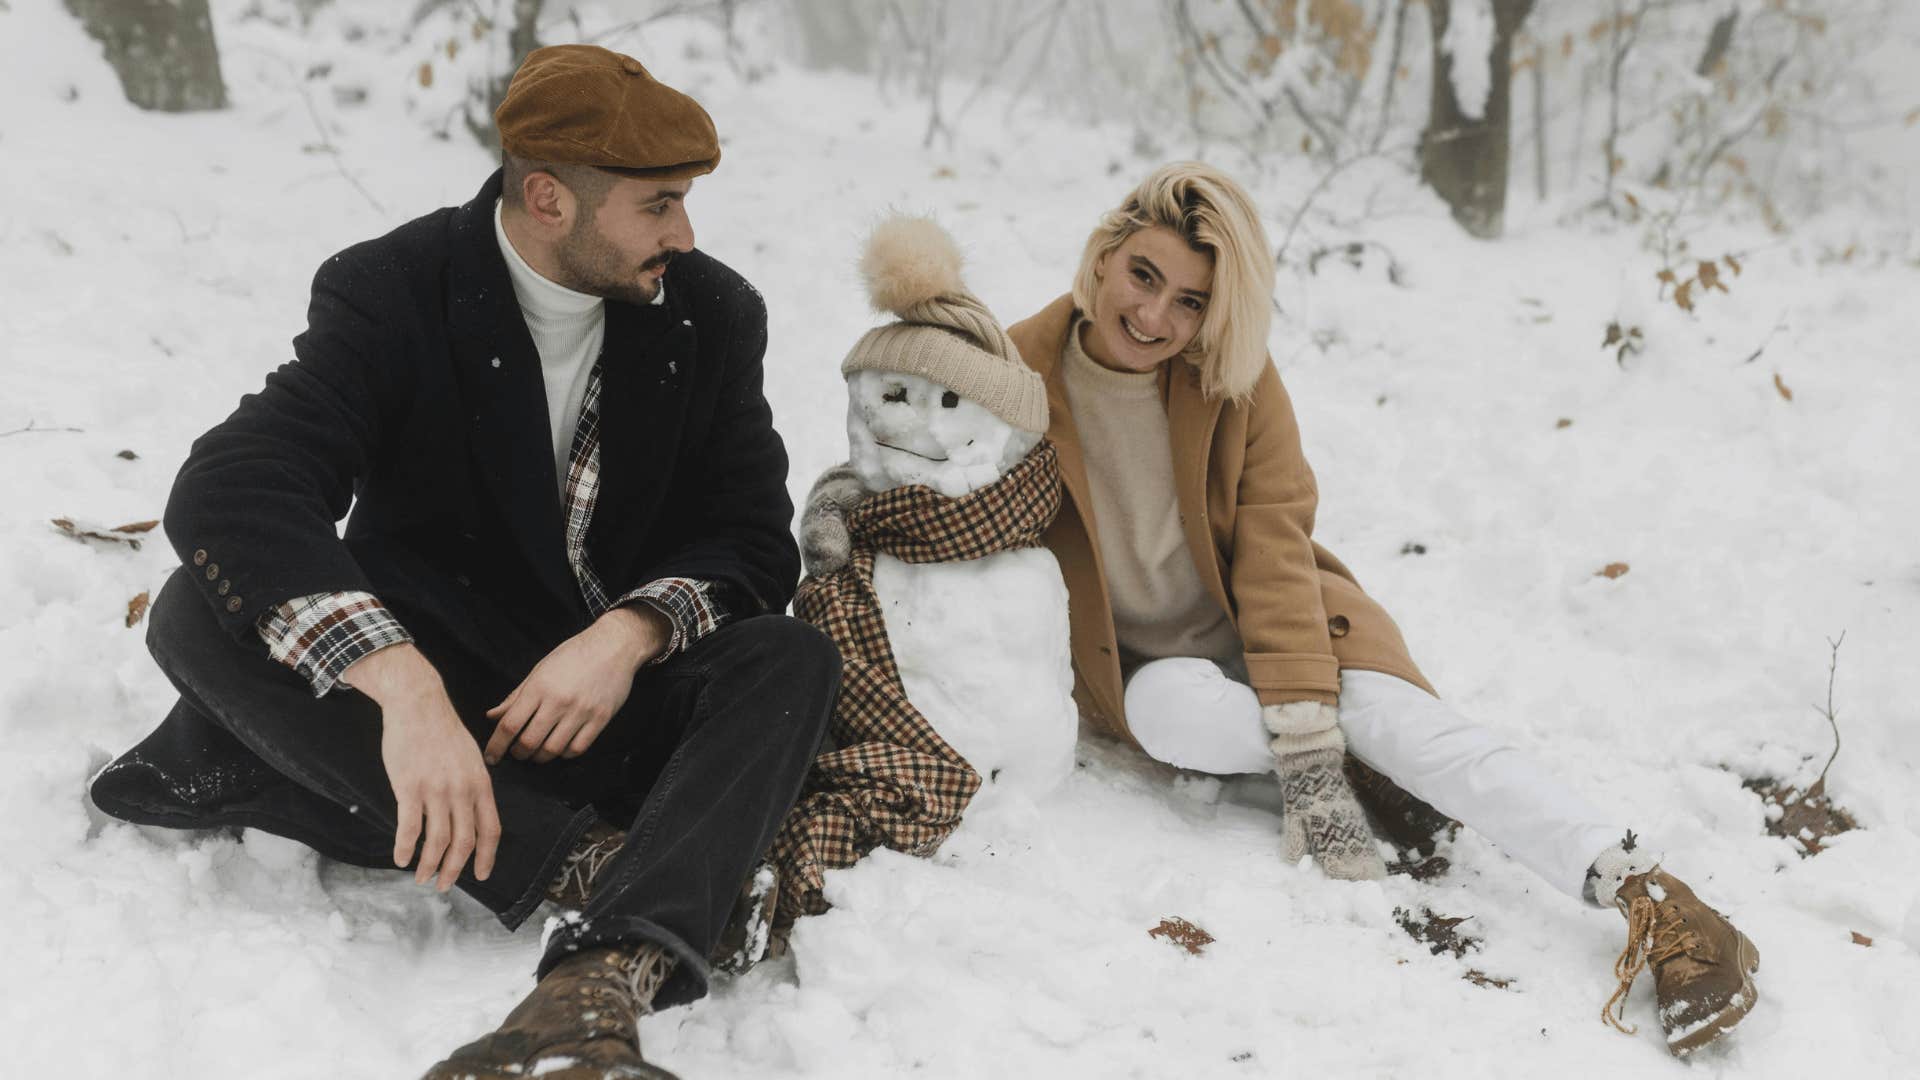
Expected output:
(891, 779)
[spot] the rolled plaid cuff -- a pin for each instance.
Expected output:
(687, 603)
(320, 636)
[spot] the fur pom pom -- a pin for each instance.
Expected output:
(909, 260)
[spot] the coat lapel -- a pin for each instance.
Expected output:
(1191, 420)
(499, 373)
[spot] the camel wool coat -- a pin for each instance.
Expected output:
(1247, 500)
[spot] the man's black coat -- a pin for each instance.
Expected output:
(415, 397)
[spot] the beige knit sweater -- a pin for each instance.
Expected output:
(1160, 606)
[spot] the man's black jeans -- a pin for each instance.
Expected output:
(703, 761)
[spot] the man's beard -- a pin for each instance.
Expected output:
(589, 264)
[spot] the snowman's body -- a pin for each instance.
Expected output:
(982, 651)
(982, 644)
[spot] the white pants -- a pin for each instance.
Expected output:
(1187, 712)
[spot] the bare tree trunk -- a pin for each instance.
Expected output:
(1465, 158)
(522, 39)
(1539, 74)
(163, 51)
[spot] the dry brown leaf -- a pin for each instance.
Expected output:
(1562, 424)
(1709, 276)
(1683, 295)
(1733, 264)
(1913, 118)
(1614, 335)
(1182, 933)
(1666, 277)
(1781, 386)
(124, 534)
(426, 74)
(944, 172)
(1861, 939)
(1611, 570)
(136, 610)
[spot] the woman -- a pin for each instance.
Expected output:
(1212, 632)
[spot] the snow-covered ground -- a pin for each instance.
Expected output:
(152, 269)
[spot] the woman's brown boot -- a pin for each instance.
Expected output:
(581, 1022)
(1702, 966)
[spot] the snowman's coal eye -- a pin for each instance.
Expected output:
(898, 393)
(949, 400)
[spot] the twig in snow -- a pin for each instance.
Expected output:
(35, 429)
(1819, 787)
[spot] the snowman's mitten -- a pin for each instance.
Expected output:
(1323, 819)
(824, 544)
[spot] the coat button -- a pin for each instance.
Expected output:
(465, 581)
(213, 571)
(233, 604)
(200, 557)
(1338, 626)
(225, 588)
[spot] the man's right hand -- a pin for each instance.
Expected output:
(439, 780)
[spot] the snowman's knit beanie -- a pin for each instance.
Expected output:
(944, 332)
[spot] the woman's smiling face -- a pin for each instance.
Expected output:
(1153, 292)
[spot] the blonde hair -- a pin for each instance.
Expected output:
(1215, 215)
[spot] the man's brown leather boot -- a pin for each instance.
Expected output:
(581, 1022)
(1702, 966)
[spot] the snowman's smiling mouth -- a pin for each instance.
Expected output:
(904, 450)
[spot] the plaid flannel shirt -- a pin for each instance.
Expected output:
(321, 635)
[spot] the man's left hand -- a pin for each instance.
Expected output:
(569, 697)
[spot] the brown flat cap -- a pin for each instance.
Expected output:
(585, 105)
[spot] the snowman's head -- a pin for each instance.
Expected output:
(939, 397)
(905, 429)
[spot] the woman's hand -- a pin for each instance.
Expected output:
(1323, 818)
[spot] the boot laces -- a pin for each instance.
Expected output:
(1651, 941)
(583, 865)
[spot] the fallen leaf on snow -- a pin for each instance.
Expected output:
(137, 609)
(1861, 939)
(1781, 386)
(1611, 570)
(128, 534)
(1182, 933)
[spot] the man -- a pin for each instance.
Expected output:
(546, 661)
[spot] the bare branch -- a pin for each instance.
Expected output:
(1819, 786)
(33, 428)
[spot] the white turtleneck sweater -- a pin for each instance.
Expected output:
(568, 328)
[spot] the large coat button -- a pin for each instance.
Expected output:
(213, 571)
(225, 588)
(200, 557)
(233, 604)
(1338, 626)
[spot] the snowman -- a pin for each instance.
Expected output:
(947, 489)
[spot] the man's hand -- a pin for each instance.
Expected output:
(437, 776)
(567, 700)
